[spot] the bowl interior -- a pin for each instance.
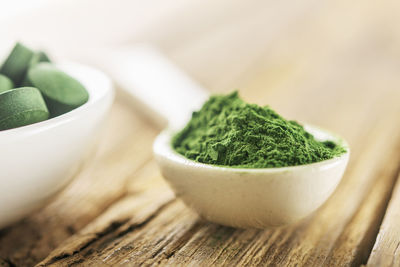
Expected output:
(98, 85)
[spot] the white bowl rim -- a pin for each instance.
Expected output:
(103, 89)
(169, 153)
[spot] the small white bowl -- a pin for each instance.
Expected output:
(231, 196)
(38, 160)
(251, 198)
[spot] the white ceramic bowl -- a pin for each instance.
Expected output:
(255, 198)
(38, 160)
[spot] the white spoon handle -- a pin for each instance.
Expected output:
(157, 86)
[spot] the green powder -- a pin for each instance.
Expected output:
(230, 132)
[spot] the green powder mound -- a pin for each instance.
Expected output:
(230, 132)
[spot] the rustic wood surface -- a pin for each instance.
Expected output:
(331, 64)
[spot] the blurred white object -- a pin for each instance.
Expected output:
(38, 160)
(157, 87)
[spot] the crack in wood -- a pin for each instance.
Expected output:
(182, 240)
(135, 226)
(395, 253)
(4, 262)
(365, 259)
(111, 228)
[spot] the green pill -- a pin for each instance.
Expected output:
(61, 92)
(38, 57)
(17, 63)
(21, 106)
(5, 83)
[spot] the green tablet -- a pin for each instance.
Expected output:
(5, 83)
(61, 92)
(21, 106)
(17, 63)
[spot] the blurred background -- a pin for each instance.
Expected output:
(270, 50)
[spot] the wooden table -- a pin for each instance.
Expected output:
(336, 65)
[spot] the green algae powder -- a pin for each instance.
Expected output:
(230, 132)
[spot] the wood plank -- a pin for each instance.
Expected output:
(386, 251)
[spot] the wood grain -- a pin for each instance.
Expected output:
(330, 64)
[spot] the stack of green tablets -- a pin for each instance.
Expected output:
(32, 89)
